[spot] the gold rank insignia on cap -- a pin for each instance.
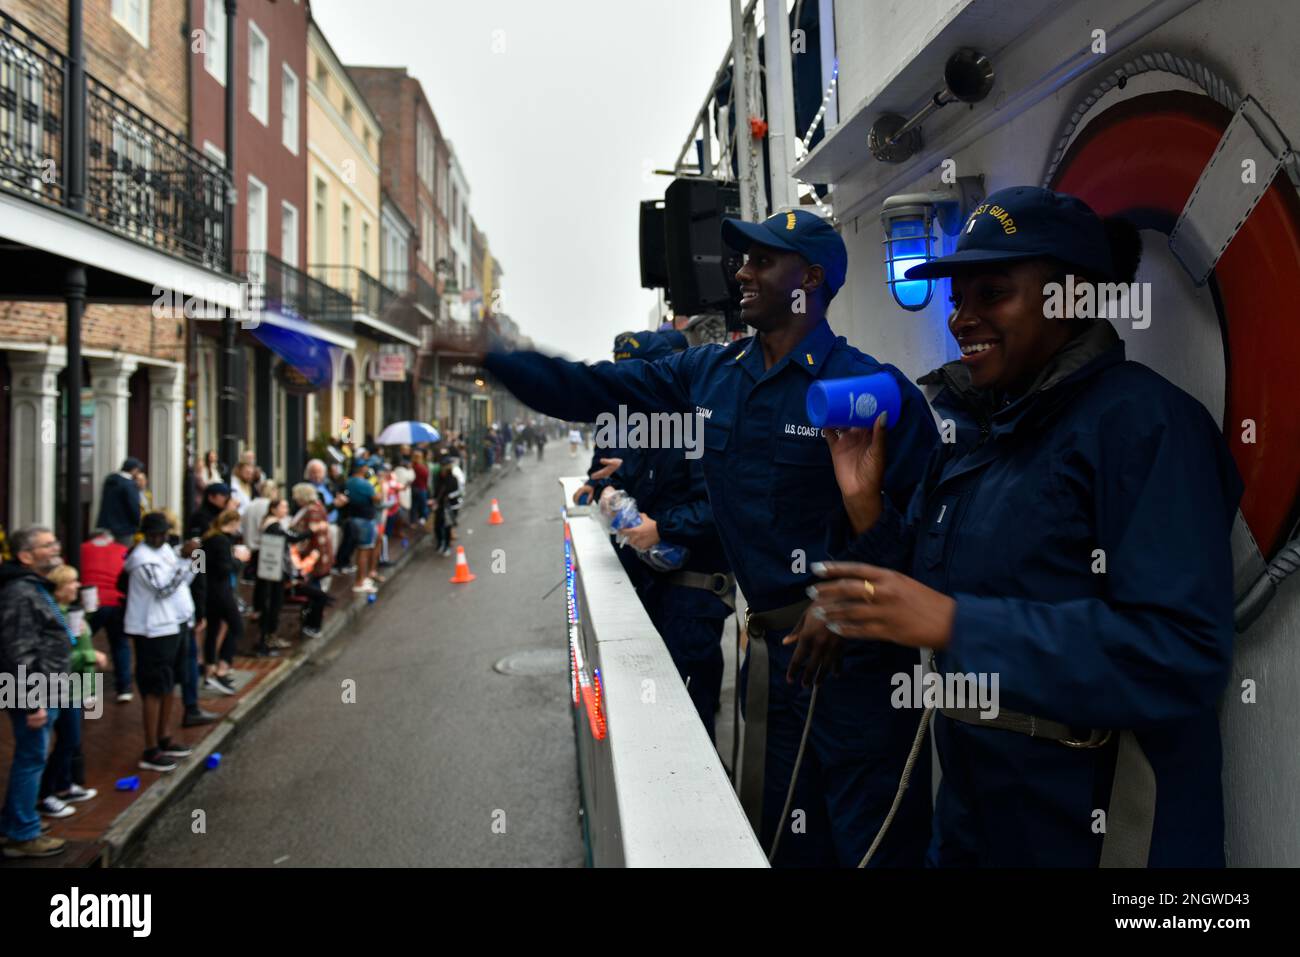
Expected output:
(810, 358)
(789, 221)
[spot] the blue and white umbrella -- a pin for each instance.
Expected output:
(408, 433)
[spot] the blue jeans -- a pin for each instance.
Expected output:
(111, 619)
(19, 820)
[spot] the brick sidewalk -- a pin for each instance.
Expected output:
(112, 744)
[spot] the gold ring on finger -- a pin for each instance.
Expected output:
(870, 588)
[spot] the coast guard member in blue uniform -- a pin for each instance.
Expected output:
(1075, 543)
(771, 482)
(689, 606)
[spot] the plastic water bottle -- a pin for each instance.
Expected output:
(666, 557)
(619, 511)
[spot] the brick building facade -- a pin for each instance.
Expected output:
(133, 370)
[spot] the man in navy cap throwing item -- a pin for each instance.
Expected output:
(689, 603)
(771, 480)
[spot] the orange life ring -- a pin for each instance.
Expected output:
(1140, 159)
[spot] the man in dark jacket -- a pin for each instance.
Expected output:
(119, 505)
(33, 641)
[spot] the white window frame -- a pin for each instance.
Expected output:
(365, 244)
(289, 213)
(345, 235)
(139, 29)
(256, 252)
(259, 106)
(320, 207)
(214, 53)
(289, 109)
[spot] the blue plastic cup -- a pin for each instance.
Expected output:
(213, 761)
(371, 597)
(853, 403)
(128, 784)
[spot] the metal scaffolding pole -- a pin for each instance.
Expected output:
(740, 100)
(781, 133)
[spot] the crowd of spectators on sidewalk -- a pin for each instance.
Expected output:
(168, 599)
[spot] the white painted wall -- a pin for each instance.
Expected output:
(1256, 54)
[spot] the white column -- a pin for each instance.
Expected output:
(110, 379)
(167, 462)
(33, 437)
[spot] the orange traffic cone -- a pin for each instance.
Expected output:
(495, 518)
(462, 568)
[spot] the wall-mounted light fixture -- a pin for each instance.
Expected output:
(967, 77)
(909, 240)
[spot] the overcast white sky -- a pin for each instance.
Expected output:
(556, 134)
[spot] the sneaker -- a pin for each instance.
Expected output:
(345, 570)
(155, 760)
(226, 682)
(36, 847)
(124, 696)
(196, 717)
(279, 644)
(53, 807)
(174, 749)
(216, 684)
(366, 586)
(266, 651)
(311, 632)
(78, 793)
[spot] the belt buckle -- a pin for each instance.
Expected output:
(1092, 741)
(752, 629)
(719, 587)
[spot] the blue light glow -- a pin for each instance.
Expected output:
(908, 245)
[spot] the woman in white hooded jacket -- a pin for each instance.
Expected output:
(159, 610)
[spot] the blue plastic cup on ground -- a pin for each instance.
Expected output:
(213, 761)
(128, 784)
(853, 403)
(371, 597)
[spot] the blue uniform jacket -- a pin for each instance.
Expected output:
(771, 486)
(1013, 521)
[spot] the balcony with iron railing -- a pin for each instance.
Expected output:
(410, 284)
(293, 291)
(374, 304)
(143, 181)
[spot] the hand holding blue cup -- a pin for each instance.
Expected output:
(853, 403)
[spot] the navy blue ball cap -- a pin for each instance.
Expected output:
(641, 345)
(1027, 222)
(217, 488)
(796, 231)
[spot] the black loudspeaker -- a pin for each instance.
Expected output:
(701, 270)
(654, 260)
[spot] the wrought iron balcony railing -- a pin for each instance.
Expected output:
(407, 283)
(292, 290)
(369, 296)
(31, 114)
(142, 180)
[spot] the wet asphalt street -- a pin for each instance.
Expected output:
(440, 753)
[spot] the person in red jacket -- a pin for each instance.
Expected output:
(102, 558)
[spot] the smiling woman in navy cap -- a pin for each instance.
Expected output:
(1074, 543)
(771, 482)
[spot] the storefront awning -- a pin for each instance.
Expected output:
(300, 345)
